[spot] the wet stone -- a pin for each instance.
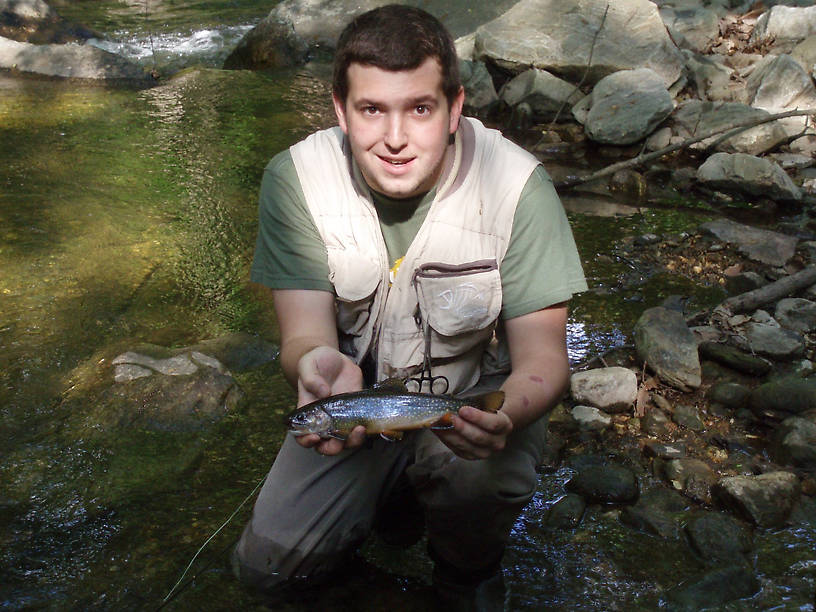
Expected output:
(612, 389)
(713, 588)
(735, 359)
(653, 448)
(794, 442)
(566, 513)
(590, 418)
(651, 520)
(765, 500)
(718, 537)
(729, 394)
(693, 477)
(655, 423)
(688, 417)
(666, 344)
(605, 484)
(786, 396)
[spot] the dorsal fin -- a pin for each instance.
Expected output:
(489, 402)
(392, 385)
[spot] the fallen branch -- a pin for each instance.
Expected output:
(641, 159)
(751, 300)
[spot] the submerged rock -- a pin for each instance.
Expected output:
(712, 588)
(718, 537)
(605, 484)
(786, 396)
(761, 245)
(794, 442)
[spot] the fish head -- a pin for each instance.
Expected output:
(312, 420)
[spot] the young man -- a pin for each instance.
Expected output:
(409, 236)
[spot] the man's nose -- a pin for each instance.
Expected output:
(395, 135)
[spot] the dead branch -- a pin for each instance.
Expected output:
(571, 182)
(788, 285)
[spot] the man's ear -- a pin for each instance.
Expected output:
(340, 111)
(456, 110)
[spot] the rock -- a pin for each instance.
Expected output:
(34, 21)
(270, 44)
(765, 500)
(655, 423)
(590, 418)
(711, 77)
(627, 106)
(770, 341)
(692, 477)
(784, 24)
(651, 520)
(743, 282)
(760, 245)
(787, 396)
(653, 448)
(796, 314)
(741, 173)
(794, 442)
(718, 537)
(733, 395)
(180, 365)
(778, 84)
(688, 417)
(560, 35)
(805, 53)
(610, 389)
(68, 61)
(546, 94)
(693, 29)
(238, 351)
(711, 589)
(696, 117)
(566, 513)
(480, 93)
(667, 346)
(605, 484)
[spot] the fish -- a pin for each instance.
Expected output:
(387, 409)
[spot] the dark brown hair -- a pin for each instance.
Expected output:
(396, 37)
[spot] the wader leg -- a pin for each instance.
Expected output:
(314, 510)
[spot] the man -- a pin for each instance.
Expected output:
(409, 238)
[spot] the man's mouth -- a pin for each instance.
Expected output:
(396, 162)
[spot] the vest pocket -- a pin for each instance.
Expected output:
(460, 302)
(355, 278)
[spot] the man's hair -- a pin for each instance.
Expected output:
(395, 37)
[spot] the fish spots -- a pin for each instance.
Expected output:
(537, 379)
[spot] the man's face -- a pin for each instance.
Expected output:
(398, 124)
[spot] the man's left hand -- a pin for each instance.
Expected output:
(476, 434)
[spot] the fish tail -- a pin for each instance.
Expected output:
(491, 401)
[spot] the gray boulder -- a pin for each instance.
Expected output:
(741, 173)
(765, 500)
(605, 484)
(668, 347)
(627, 106)
(711, 76)
(480, 92)
(691, 28)
(784, 24)
(696, 117)
(270, 44)
(797, 314)
(784, 397)
(68, 61)
(770, 341)
(805, 54)
(560, 35)
(713, 588)
(546, 94)
(764, 246)
(778, 84)
(36, 22)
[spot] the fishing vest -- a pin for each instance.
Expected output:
(444, 301)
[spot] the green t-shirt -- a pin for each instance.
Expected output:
(541, 266)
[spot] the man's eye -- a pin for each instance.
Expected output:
(370, 110)
(423, 109)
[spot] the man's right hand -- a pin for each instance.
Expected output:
(322, 372)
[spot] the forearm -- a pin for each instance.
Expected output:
(291, 351)
(532, 392)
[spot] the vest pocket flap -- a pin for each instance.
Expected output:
(459, 298)
(355, 277)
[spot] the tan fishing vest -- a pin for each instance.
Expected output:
(447, 291)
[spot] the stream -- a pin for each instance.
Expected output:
(128, 216)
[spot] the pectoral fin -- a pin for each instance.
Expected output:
(446, 422)
(491, 401)
(391, 436)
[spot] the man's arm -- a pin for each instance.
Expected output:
(538, 354)
(310, 357)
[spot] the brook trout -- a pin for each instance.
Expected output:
(387, 409)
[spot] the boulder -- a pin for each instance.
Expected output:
(770, 340)
(480, 92)
(796, 314)
(667, 346)
(778, 84)
(785, 396)
(693, 28)
(560, 35)
(546, 94)
(713, 588)
(627, 106)
(697, 117)
(68, 61)
(747, 174)
(805, 54)
(590, 418)
(566, 513)
(718, 537)
(271, 44)
(605, 484)
(692, 477)
(766, 500)
(784, 24)
(34, 21)
(764, 246)
(794, 442)
(711, 76)
(610, 389)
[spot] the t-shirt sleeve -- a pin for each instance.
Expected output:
(289, 253)
(542, 266)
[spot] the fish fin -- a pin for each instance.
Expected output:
(334, 434)
(446, 422)
(391, 436)
(491, 401)
(393, 385)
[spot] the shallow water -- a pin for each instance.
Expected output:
(128, 216)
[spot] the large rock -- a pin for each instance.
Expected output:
(270, 44)
(754, 176)
(480, 92)
(667, 346)
(797, 314)
(795, 442)
(546, 94)
(784, 24)
(69, 60)
(764, 246)
(605, 484)
(35, 21)
(778, 84)
(610, 389)
(695, 28)
(785, 396)
(627, 106)
(770, 341)
(805, 54)
(696, 117)
(560, 35)
(712, 77)
(712, 589)
(765, 500)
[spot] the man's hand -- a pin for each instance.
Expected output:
(322, 372)
(476, 434)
